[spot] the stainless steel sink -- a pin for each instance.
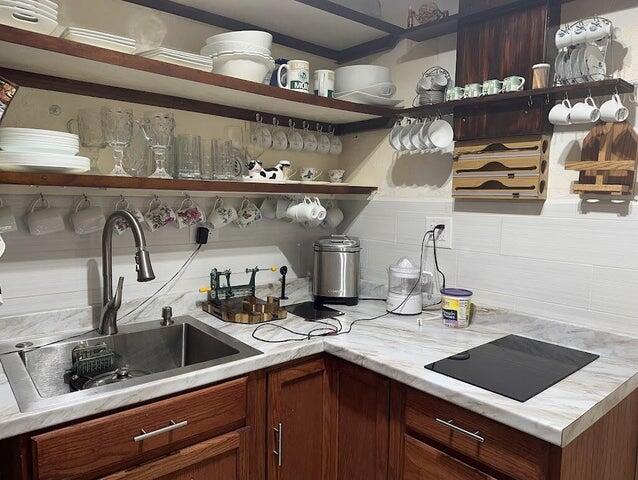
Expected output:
(39, 375)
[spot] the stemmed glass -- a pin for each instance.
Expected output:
(158, 128)
(117, 125)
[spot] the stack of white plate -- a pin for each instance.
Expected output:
(29, 149)
(99, 39)
(369, 84)
(244, 54)
(177, 57)
(35, 15)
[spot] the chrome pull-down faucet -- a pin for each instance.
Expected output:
(111, 303)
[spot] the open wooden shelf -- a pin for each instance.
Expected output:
(139, 183)
(580, 90)
(42, 61)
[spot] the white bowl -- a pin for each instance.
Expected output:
(246, 66)
(254, 37)
(380, 90)
(227, 46)
(359, 77)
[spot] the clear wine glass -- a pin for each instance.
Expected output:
(117, 125)
(158, 128)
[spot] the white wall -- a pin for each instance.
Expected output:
(563, 258)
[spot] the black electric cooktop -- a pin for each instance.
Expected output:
(310, 311)
(515, 367)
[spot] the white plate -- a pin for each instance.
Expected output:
(27, 20)
(35, 148)
(24, 162)
(558, 67)
(385, 89)
(575, 65)
(181, 62)
(32, 7)
(70, 34)
(202, 61)
(366, 98)
(175, 53)
(595, 61)
(37, 139)
(100, 42)
(48, 3)
(38, 132)
(43, 168)
(96, 33)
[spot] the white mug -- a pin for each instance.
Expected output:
(221, 215)
(492, 87)
(269, 208)
(611, 111)
(336, 175)
(560, 113)
(324, 83)
(297, 75)
(513, 83)
(86, 218)
(45, 220)
(585, 112)
(7, 219)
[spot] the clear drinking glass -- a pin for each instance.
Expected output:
(226, 166)
(188, 155)
(158, 128)
(117, 125)
(88, 126)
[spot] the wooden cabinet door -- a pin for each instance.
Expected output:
(220, 458)
(300, 428)
(362, 423)
(423, 462)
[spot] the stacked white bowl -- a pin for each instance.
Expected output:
(30, 149)
(369, 84)
(244, 54)
(36, 15)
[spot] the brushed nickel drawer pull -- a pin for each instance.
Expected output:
(474, 435)
(279, 432)
(173, 426)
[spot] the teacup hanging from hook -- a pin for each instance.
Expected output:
(323, 141)
(295, 140)
(279, 137)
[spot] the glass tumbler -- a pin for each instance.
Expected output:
(226, 166)
(117, 125)
(88, 126)
(188, 156)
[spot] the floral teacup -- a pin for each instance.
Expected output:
(189, 213)
(222, 215)
(248, 214)
(122, 225)
(158, 214)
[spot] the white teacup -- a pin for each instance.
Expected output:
(221, 215)
(269, 208)
(611, 111)
(247, 214)
(304, 211)
(86, 218)
(282, 207)
(7, 219)
(585, 112)
(560, 114)
(45, 220)
(310, 174)
(189, 213)
(334, 217)
(158, 214)
(336, 175)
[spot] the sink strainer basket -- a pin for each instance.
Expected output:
(89, 360)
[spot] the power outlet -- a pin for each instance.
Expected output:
(443, 237)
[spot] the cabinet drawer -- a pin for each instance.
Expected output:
(114, 441)
(507, 450)
(423, 461)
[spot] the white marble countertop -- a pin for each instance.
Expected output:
(398, 347)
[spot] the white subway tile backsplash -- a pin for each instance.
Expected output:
(614, 290)
(477, 233)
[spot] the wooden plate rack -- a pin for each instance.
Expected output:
(608, 161)
(501, 168)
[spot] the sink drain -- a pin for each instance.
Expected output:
(24, 344)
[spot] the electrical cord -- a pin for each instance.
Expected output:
(334, 330)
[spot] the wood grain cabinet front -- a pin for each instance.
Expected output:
(112, 442)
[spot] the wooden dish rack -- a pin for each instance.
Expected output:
(608, 161)
(501, 168)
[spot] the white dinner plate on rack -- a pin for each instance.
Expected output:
(558, 67)
(575, 64)
(595, 60)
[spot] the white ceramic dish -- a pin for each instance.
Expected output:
(558, 67)
(39, 148)
(251, 67)
(575, 64)
(100, 42)
(218, 48)
(32, 7)
(175, 53)
(595, 61)
(27, 20)
(367, 99)
(97, 34)
(254, 37)
(37, 131)
(184, 62)
(24, 162)
(386, 89)
(47, 3)
(359, 77)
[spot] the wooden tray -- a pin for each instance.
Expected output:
(608, 160)
(246, 310)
